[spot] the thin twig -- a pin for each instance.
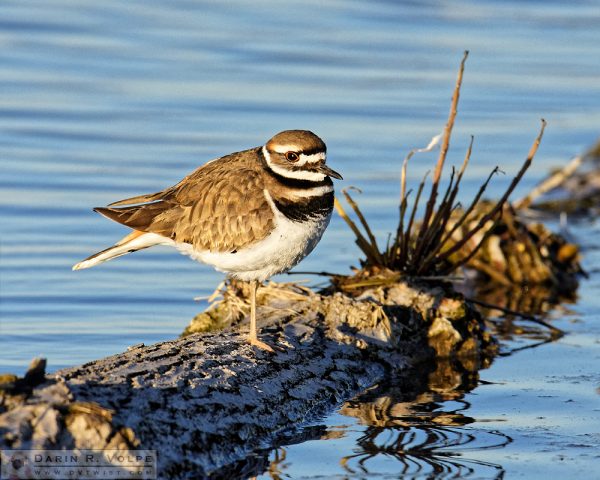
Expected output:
(549, 183)
(360, 239)
(463, 167)
(443, 150)
(461, 220)
(363, 221)
(403, 195)
(322, 274)
(447, 207)
(407, 234)
(434, 230)
(399, 241)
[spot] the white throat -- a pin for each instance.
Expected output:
(296, 175)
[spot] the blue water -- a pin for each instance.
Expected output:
(101, 101)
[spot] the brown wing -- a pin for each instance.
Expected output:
(220, 207)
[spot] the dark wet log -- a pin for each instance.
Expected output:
(206, 401)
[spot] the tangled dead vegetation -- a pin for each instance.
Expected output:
(487, 242)
(516, 252)
(430, 247)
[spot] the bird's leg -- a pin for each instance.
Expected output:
(252, 337)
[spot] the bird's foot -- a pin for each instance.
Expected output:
(262, 345)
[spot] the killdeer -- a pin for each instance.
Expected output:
(250, 214)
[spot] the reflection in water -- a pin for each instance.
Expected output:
(272, 462)
(515, 329)
(420, 428)
(421, 451)
(418, 422)
(524, 315)
(528, 299)
(278, 465)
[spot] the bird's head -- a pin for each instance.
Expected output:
(298, 155)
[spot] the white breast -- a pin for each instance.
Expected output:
(283, 248)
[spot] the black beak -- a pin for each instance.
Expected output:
(324, 169)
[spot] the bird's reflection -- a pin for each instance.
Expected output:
(425, 451)
(420, 424)
(422, 430)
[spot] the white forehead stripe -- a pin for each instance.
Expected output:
(296, 175)
(279, 148)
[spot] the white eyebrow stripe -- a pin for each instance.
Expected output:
(285, 148)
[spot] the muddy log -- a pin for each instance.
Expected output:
(204, 402)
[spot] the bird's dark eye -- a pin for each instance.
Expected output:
(292, 156)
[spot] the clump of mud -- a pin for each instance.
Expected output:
(419, 319)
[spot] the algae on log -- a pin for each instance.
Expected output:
(207, 401)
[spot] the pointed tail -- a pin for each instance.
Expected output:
(133, 242)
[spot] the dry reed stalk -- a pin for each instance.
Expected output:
(444, 149)
(372, 241)
(404, 246)
(400, 240)
(361, 241)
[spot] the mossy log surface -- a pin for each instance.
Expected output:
(206, 401)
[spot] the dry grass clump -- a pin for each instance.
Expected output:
(447, 237)
(229, 304)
